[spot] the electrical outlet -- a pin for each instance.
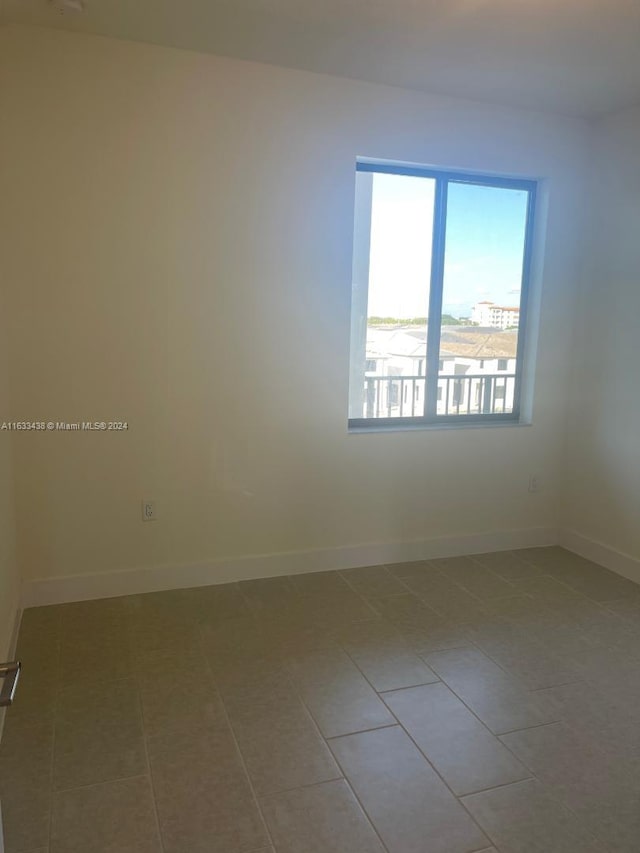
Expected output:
(149, 511)
(534, 483)
(65, 7)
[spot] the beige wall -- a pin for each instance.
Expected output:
(603, 501)
(179, 251)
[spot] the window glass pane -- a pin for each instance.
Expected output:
(483, 265)
(391, 276)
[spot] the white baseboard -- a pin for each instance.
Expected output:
(131, 581)
(604, 555)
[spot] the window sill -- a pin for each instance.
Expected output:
(449, 425)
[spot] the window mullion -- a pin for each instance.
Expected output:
(435, 300)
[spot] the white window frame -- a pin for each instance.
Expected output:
(442, 179)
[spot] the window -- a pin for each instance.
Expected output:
(440, 273)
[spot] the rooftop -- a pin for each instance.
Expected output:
(464, 341)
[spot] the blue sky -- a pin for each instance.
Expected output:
(484, 246)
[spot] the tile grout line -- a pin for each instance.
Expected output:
(403, 729)
(497, 737)
(549, 791)
(330, 738)
(136, 677)
(530, 778)
(328, 746)
(235, 742)
(500, 734)
(447, 577)
(443, 780)
(359, 802)
(398, 723)
(101, 782)
(304, 787)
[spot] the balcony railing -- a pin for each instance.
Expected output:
(465, 394)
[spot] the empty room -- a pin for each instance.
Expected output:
(319, 419)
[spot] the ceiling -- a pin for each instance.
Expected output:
(580, 57)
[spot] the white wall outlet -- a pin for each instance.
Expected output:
(149, 511)
(534, 483)
(65, 7)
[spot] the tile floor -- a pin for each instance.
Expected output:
(461, 705)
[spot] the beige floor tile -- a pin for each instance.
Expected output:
(279, 742)
(610, 629)
(559, 633)
(238, 651)
(323, 818)
(516, 607)
(385, 658)
(474, 578)
(26, 815)
(152, 666)
(444, 634)
(465, 753)
(38, 650)
(26, 755)
(333, 612)
(268, 595)
(94, 642)
(156, 633)
(494, 696)
(338, 696)
(180, 701)
(593, 581)
(161, 621)
(507, 564)
(610, 666)
(627, 608)
(297, 630)
(406, 612)
(98, 736)
(373, 581)
(318, 583)
(596, 787)
(214, 603)
(203, 798)
(90, 622)
(522, 656)
(408, 803)
(544, 556)
(40, 625)
(547, 588)
(609, 717)
(36, 696)
(523, 818)
(409, 570)
(96, 662)
(445, 597)
(114, 816)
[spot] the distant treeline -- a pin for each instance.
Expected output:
(447, 320)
